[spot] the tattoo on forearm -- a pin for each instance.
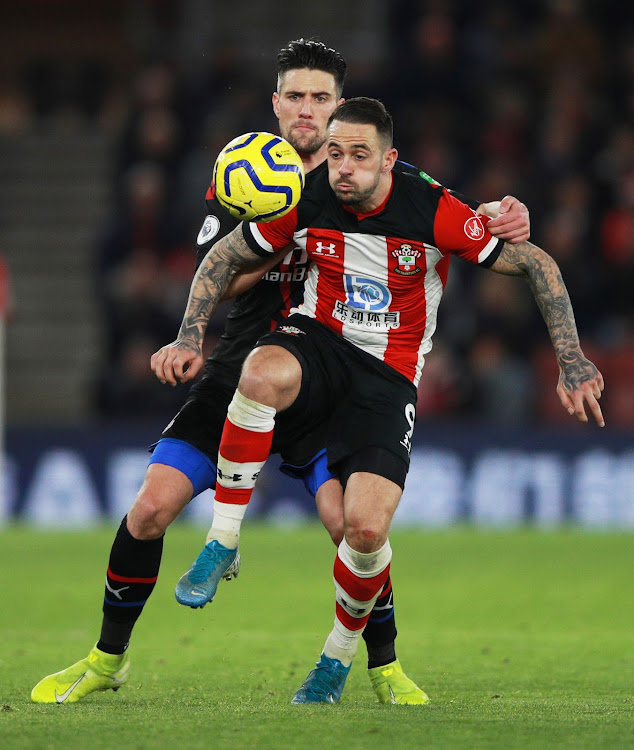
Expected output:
(544, 278)
(214, 275)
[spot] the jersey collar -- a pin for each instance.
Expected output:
(375, 211)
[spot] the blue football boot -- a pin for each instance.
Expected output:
(198, 586)
(324, 684)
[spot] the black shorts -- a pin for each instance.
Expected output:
(201, 420)
(355, 399)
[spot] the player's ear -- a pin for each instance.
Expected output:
(276, 104)
(389, 160)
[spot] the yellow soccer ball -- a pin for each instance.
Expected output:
(258, 177)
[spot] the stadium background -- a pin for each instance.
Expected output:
(110, 120)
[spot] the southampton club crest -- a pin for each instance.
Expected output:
(406, 257)
(290, 330)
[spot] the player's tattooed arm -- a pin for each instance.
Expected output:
(245, 279)
(580, 381)
(182, 360)
(224, 260)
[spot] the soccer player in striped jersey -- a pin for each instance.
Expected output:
(183, 464)
(351, 355)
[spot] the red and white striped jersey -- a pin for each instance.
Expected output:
(377, 279)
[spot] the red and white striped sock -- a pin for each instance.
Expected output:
(244, 447)
(359, 579)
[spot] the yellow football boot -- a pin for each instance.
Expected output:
(392, 685)
(98, 671)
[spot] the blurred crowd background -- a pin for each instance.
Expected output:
(533, 98)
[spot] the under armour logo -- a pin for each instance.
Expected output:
(322, 248)
(358, 611)
(232, 477)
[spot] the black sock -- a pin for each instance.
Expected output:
(132, 572)
(380, 632)
(115, 636)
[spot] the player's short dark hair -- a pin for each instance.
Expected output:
(365, 111)
(312, 54)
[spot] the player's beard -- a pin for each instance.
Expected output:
(356, 198)
(305, 143)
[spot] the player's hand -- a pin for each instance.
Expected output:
(177, 362)
(513, 222)
(580, 385)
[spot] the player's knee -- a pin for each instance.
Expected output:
(149, 517)
(271, 377)
(363, 536)
(253, 378)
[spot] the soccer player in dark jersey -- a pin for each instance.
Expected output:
(183, 464)
(352, 354)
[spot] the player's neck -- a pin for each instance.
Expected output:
(379, 196)
(311, 161)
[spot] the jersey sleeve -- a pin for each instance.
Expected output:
(217, 224)
(266, 238)
(462, 232)
(471, 202)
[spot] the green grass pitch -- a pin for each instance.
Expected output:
(523, 639)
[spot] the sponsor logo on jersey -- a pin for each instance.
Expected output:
(292, 268)
(209, 230)
(296, 274)
(362, 319)
(366, 294)
(429, 179)
(406, 257)
(473, 228)
(290, 330)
